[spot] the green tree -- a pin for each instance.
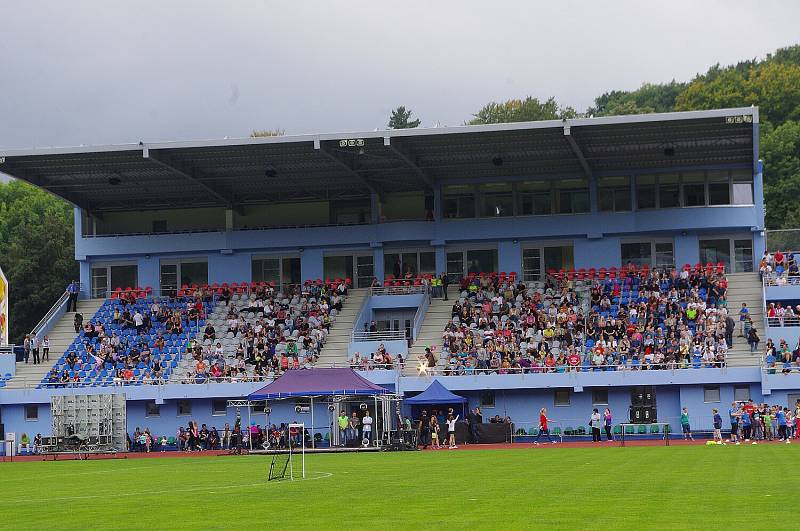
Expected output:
(401, 119)
(780, 150)
(528, 110)
(36, 235)
(646, 99)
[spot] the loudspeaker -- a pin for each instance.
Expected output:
(2, 432)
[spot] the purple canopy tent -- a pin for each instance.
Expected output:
(319, 383)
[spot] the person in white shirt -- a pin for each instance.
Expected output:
(138, 321)
(451, 430)
(366, 422)
(46, 348)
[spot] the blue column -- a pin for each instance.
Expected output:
(509, 257)
(441, 259)
(437, 202)
(687, 249)
(377, 263)
(85, 278)
(149, 273)
(593, 200)
(236, 267)
(311, 264)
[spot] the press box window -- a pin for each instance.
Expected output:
(184, 408)
(535, 198)
(561, 397)
(219, 407)
(573, 196)
(32, 413)
(498, 200)
(645, 192)
(458, 202)
(614, 194)
(742, 188)
(741, 393)
(694, 189)
(600, 397)
(711, 393)
(487, 399)
(719, 189)
(668, 191)
(151, 409)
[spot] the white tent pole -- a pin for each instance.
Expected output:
(249, 422)
(312, 429)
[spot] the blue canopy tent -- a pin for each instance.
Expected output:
(436, 394)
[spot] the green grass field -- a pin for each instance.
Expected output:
(679, 487)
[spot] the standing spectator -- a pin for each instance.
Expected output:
(474, 418)
(594, 423)
(355, 424)
(445, 283)
(424, 430)
(77, 322)
(72, 291)
(734, 415)
(226, 437)
(780, 416)
(367, 422)
(743, 314)
(26, 348)
(46, 348)
(717, 426)
(753, 339)
(544, 427)
(607, 424)
(435, 433)
(344, 422)
(35, 348)
(730, 326)
(685, 426)
(747, 425)
(451, 430)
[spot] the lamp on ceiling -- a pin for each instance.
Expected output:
(114, 180)
(270, 172)
(497, 161)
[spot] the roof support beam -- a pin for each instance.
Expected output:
(577, 150)
(347, 167)
(408, 159)
(23, 175)
(192, 174)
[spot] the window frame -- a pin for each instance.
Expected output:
(179, 407)
(485, 393)
(28, 409)
(557, 403)
(152, 413)
(601, 402)
(711, 388)
(219, 412)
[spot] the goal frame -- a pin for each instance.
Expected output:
(302, 428)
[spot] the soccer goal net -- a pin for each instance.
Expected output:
(283, 464)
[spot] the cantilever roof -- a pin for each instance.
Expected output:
(345, 165)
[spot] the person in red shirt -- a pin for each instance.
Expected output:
(544, 427)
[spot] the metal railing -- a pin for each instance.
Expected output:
(789, 321)
(423, 370)
(386, 335)
(784, 279)
(397, 290)
(51, 313)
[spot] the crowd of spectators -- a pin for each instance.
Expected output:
(751, 422)
(780, 268)
(380, 359)
(263, 333)
(637, 319)
(129, 341)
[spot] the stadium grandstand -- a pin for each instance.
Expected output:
(617, 261)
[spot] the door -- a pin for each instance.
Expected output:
(716, 251)
(455, 266)
(99, 282)
(532, 264)
(743, 256)
(365, 271)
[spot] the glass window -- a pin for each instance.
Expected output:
(291, 271)
(124, 276)
(497, 200)
(562, 257)
(715, 251)
(32, 412)
(561, 397)
(169, 279)
(742, 187)
(743, 256)
(337, 267)
(481, 260)
(487, 398)
(535, 198)
(645, 192)
(219, 407)
(184, 407)
(427, 262)
(639, 253)
(614, 194)
(365, 271)
(151, 409)
(194, 273)
(741, 393)
(719, 190)
(266, 270)
(668, 191)
(458, 202)
(99, 282)
(711, 393)
(532, 264)
(455, 266)
(665, 255)
(573, 196)
(600, 397)
(694, 189)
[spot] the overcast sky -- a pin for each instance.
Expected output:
(101, 72)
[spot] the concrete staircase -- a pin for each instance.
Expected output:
(745, 287)
(335, 351)
(439, 312)
(61, 337)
